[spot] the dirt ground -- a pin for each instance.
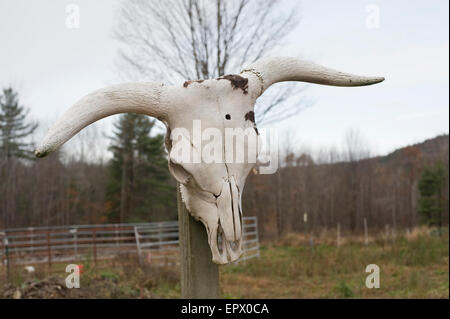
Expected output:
(52, 287)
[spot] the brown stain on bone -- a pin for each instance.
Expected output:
(250, 116)
(187, 83)
(236, 81)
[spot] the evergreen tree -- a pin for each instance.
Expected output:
(139, 187)
(431, 188)
(13, 127)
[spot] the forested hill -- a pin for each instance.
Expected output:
(382, 189)
(430, 149)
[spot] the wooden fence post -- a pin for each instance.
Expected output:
(6, 256)
(199, 275)
(338, 234)
(117, 235)
(32, 239)
(138, 244)
(366, 235)
(94, 237)
(73, 231)
(76, 242)
(49, 252)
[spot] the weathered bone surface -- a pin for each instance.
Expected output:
(212, 192)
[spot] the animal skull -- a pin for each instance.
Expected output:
(211, 191)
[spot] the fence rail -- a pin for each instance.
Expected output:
(152, 242)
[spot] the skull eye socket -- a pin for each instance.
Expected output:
(228, 116)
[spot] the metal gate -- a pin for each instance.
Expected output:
(154, 243)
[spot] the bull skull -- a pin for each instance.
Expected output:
(211, 191)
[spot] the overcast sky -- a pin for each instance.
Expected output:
(52, 66)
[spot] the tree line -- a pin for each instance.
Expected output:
(194, 39)
(309, 192)
(134, 185)
(402, 190)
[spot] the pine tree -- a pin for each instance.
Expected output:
(139, 187)
(13, 127)
(431, 188)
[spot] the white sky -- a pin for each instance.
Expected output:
(53, 66)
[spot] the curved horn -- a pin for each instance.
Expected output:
(279, 69)
(144, 98)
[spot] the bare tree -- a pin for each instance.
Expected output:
(356, 149)
(355, 146)
(176, 40)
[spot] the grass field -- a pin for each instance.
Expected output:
(413, 267)
(417, 268)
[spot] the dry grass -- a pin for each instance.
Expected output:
(413, 265)
(329, 237)
(117, 278)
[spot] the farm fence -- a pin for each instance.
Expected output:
(154, 243)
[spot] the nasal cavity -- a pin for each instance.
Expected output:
(228, 117)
